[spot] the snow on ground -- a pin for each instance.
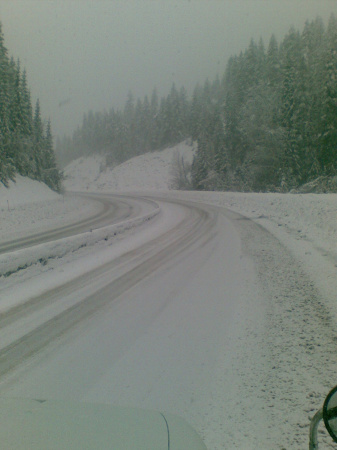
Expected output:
(28, 207)
(24, 191)
(150, 171)
(11, 261)
(304, 224)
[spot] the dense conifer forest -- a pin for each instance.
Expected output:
(269, 124)
(26, 143)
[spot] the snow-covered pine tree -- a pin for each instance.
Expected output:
(21, 137)
(327, 154)
(51, 175)
(38, 140)
(154, 124)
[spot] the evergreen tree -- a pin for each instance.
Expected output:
(38, 140)
(154, 132)
(199, 167)
(51, 174)
(273, 63)
(292, 100)
(327, 151)
(195, 122)
(22, 140)
(7, 167)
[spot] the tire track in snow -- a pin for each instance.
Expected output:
(139, 263)
(111, 211)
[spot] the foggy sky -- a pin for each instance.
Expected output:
(82, 55)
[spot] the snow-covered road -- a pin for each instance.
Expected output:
(199, 311)
(106, 211)
(150, 328)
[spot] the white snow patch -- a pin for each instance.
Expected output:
(29, 207)
(304, 223)
(150, 171)
(81, 174)
(24, 191)
(20, 259)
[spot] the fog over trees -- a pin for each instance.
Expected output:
(26, 143)
(270, 122)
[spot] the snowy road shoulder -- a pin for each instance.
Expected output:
(306, 224)
(21, 259)
(295, 336)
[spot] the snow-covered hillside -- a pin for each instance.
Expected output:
(24, 191)
(28, 207)
(151, 171)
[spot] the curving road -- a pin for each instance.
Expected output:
(27, 328)
(192, 313)
(112, 210)
(145, 328)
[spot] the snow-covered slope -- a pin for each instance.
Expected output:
(28, 207)
(151, 171)
(24, 191)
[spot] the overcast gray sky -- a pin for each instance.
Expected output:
(82, 54)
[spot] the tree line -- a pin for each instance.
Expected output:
(26, 143)
(270, 122)
(143, 125)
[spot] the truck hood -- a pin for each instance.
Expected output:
(48, 424)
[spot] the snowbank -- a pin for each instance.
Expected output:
(24, 191)
(29, 207)
(306, 224)
(151, 171)
(21, 259)
(311, 217)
